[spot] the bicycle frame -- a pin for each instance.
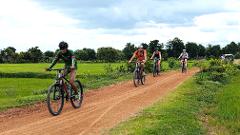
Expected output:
(61, 79)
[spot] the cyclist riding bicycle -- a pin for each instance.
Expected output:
(70, 64)
(157, 56)
(141, 55)
(183, 57)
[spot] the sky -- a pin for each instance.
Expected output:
(113, 23)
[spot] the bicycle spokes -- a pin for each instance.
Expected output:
(55, 99)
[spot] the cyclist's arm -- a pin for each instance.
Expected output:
(73, 57)
(73, 61)
(54, 62)
(152, 55)
(180, 56)
(134, 55)
(187, 55)
(160, 56)
(145, 55)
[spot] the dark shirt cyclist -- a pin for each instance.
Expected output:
(70, 63)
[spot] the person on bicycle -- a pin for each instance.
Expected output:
(183, 57)
(141, 55)
(70, 63)
(157, 57)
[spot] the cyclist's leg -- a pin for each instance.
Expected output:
(142, 69)
(65, 72)
(72, 79)
(158, 67)
(185, 63)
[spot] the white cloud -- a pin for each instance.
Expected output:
(24, 24)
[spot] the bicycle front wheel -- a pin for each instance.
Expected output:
(76, 100)
(136, 78)
(55, 99)
(154, 70)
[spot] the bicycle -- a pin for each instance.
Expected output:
(156, 67)
(183, 66)
(138, 76)
(57, 93)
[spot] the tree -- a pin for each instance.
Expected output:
(81, 55)
(48, 56)
(232, 48)
(23, 57)
(154, 44)
(36, 54)
(129, 50)
(85, 54)
(1, 57)
(175, 47)
(201, 51)
(107, 54)
(213, 51)
(145, 46)
(9, 54)
(90, 53)
(192, 49)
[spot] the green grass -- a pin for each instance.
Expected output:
(177, 114)
(15, 92)
(91, 68)
(226, 112)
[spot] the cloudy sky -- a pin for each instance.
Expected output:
(97, 23)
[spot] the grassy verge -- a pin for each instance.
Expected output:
(203, 105)
(174, 115)
(224, 117)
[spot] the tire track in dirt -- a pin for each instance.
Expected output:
(101, 110)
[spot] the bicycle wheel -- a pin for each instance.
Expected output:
(143, 79)
(76, 100)
(136, 79)
(154, 70)
(183, 68)
(55, 99)
(158, 69)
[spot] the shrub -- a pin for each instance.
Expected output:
(173, 63)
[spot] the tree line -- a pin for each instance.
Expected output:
(172, 48)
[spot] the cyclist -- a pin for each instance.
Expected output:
(141, 55)
(157, 57)
(183, 57)
(70, 64)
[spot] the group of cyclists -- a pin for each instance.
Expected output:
(71, 64)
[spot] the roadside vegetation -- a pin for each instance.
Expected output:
(205, 104)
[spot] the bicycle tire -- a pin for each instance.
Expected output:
(80, 98)
(135, 78)
(53, 90)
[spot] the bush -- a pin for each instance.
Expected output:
(173, 63)
(108, 68)
(219, 77)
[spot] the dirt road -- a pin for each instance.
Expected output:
(102, 109)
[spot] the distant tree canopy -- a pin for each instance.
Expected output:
(86, 54)
(172, 48)
(128, 50)
(175, 47)
(108, 54)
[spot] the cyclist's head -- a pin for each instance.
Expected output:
(155, 49)
(63, 46)
(184, 50)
